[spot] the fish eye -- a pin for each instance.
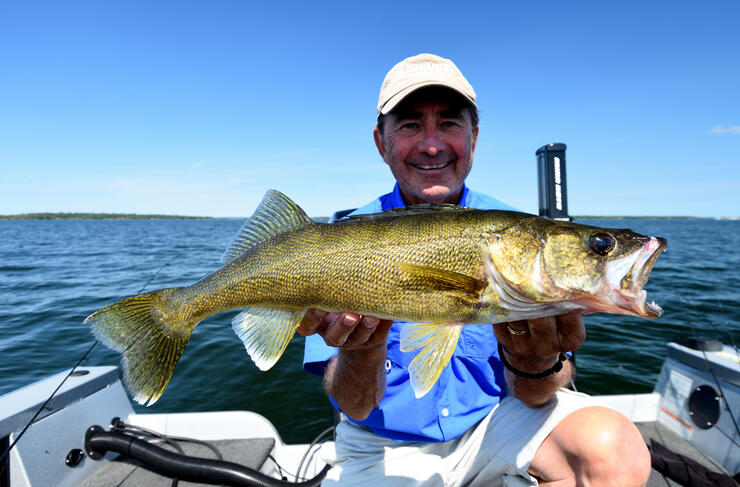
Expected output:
(601, 243)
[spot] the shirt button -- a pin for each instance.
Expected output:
(445, 412)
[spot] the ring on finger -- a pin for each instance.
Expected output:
(514, 331)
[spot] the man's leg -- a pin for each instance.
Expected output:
(361, 458)
(593, 446)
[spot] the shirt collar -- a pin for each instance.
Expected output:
(396, 200)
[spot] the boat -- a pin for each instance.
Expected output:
(88, 434)
(78, 427)
(71, 439)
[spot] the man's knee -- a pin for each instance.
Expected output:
(601, 447)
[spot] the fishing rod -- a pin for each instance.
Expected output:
(3, 457)
(717, 382)
(176, 465)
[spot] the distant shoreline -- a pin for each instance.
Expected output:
(99, 216)
(612, 217)
(136, 216)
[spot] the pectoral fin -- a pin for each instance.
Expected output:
(445, 280)
(437, 342)
(266, 332)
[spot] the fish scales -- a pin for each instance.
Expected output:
(349, 266)
(440, 266)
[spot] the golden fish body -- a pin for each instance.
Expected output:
(435, 265)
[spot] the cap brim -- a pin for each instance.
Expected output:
(396, 99)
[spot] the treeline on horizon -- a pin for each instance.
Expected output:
(99, 216)
(136, 216)
(616, 217)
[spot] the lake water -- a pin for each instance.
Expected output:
(54, 273)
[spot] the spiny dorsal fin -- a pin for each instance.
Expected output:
(405, 210)
(275, 214)
(445, 280)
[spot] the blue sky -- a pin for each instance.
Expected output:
(199, 107)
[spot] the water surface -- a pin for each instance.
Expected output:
(54, 273)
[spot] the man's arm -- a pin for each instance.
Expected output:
(355, 377)
(535, 349)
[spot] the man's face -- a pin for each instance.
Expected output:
(429, 147)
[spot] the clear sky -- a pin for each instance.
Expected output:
(197, 108)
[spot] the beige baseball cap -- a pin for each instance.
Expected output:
(417, 72)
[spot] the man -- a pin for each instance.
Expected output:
(486, 421)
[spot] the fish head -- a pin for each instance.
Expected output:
(582, 267)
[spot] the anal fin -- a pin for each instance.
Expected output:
(437, 342)
(266, 332)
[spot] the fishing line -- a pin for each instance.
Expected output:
(313, 443)
(43, 406)
(283, 473)
(729, 334)
(152, 278)
(714, 376)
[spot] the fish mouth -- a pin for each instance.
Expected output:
(620, 290)
(627, 276)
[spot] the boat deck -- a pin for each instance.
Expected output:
(654, 431)
(250, 453)
(254, 452)
(94, 395)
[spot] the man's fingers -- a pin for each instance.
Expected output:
(506, 337)
(346, 330)
(571, 331)
(542, 336)
(341, 326)
(312, 322)
(362, 331)
(533, 337)
(380, 335)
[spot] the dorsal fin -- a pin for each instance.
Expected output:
(406, 210)
(275, 214)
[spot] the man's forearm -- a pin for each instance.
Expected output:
(356, 380)
(536, 392)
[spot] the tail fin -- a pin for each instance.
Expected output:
(150, 333)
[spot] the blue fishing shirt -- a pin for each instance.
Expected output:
(469, 386)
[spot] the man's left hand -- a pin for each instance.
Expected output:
(533, 346)
(542, 336)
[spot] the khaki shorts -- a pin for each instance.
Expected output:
(495, 452)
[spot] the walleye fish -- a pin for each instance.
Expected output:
(440, 266)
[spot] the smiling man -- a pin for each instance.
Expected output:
(489, 419)
(429, 145)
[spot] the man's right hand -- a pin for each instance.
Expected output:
(355, 377)
(347, 331)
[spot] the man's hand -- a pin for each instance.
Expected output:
(533, 346)
(355, 377)
(542, 336)
(348, 331)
